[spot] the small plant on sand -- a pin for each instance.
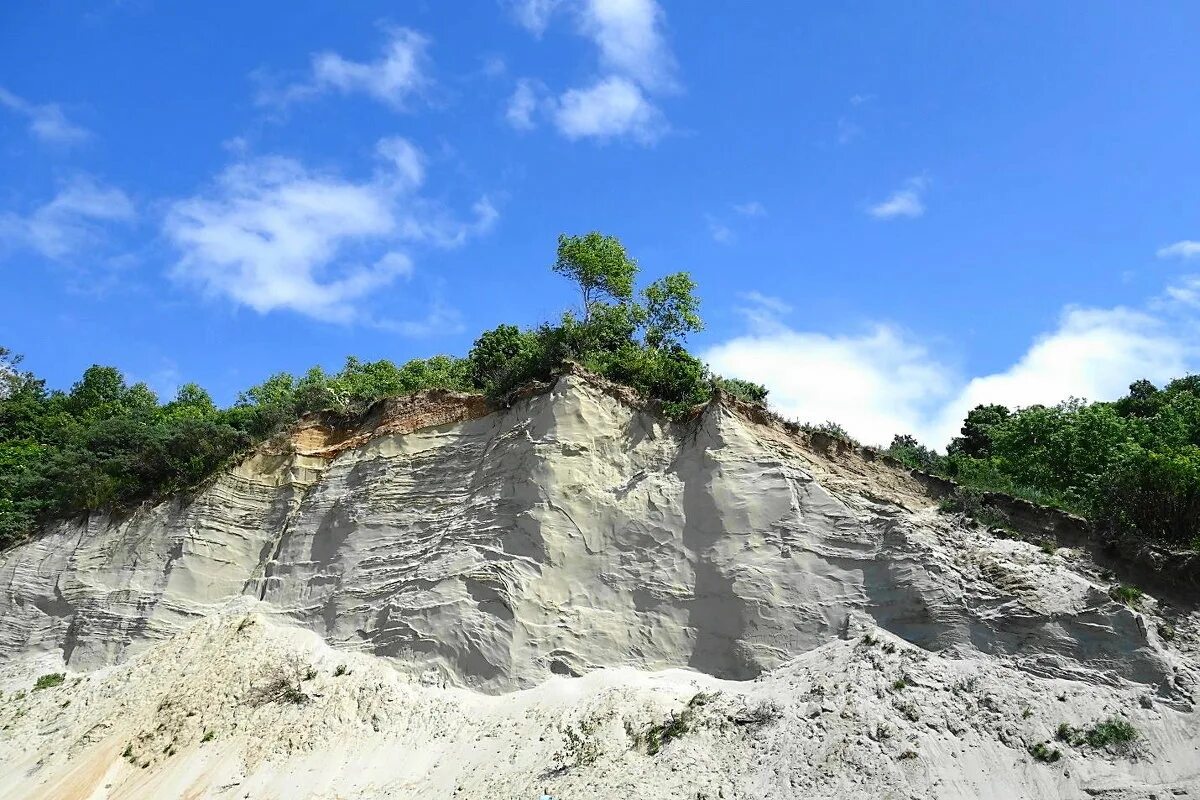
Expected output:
(340, 671)
(208, 736)
(1113, 732)
(900, 684)
(49, 681)
(1165, 631)
(1044, 753)
(284, 684)
(659, 734)
(907, 754)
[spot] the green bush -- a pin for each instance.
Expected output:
(1128, 595)
(49, 681)
(1045, 754)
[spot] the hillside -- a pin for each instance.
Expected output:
(574, 593)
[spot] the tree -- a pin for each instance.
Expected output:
(672, 310)
(599, 264)
(976, 439)
(503, 357)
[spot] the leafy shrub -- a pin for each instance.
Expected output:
(744, 390)
(1112, 731)
(1042, 752)
(1128, 595)
(49, 681)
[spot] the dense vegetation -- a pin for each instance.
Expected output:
(1132, 465)
(107, 444)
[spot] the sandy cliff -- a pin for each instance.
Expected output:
(522, 597)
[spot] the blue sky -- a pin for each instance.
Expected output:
(893, 212)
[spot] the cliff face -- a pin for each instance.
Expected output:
(573, 532)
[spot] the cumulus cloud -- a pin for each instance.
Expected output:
(635, 63)
(881, 381)
(393, 78)
(47, 122)
(76, 219)
(904, 202)
(1183, 249)
(629, 37)
(613, 107)
(272, 234)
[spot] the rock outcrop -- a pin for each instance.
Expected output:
(575, 539)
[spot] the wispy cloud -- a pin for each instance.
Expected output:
(47, 122)
(904, 202)
(533, 15)
(394, 78)
(719, 231)
(1183, 249)
(521, 106)
(753, 208)
(75, 220)
(272, 234)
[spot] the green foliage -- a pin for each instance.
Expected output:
(49, 681)
(1042, 752)
(908, 451)
(660, 733)
(831, 428)
(976, 439)
(1114, 731)
(672, 310)
(599, 264)
(744, 390)
(1132, 465)
(1128, 595)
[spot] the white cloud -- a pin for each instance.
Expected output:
(875, 383)
(1093, 353)
(1186, 292)
(612, 108)
(634, 60)
(720, 232)
(405, 159)
(1183, 249)
(75, 220)
(392, 79)
(47, 122)
(627, 33)
(750, 209)
(534, 15)
(882, 381)
(904, 202)
(274, 235)
(521, 106)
